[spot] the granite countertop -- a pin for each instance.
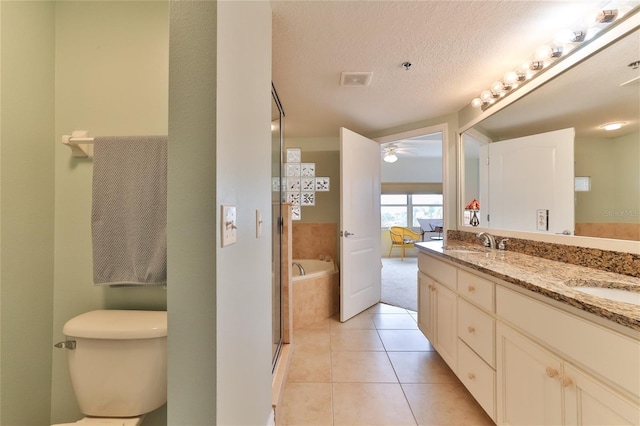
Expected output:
(546, 277)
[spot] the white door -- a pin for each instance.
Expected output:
(360, 263)
(529, 175)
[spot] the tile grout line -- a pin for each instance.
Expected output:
(415, 419)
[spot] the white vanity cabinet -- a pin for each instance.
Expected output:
(538, 380)
(462, 331)
(437, 308)
(526, 359)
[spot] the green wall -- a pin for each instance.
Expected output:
(26, 210)
(612, 164)
(96, 66)
(112, 61)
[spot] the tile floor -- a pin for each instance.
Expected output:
(375, 369)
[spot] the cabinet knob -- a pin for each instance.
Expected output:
(471, 288)
(551, 372)
(471, 329)
(565, 380)
(471, 376)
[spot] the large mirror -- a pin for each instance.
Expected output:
(603, 88)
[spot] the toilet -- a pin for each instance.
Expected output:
(118, 365)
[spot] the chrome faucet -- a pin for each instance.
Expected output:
(302, 272)
(489, 240)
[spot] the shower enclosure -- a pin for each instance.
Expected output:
(277, 119)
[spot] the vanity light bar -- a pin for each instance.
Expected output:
(543, 58)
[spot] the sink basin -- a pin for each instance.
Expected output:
(611, 290)
(615, 294)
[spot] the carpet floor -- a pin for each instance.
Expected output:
(400, 282)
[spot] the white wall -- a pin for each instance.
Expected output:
(220, 306)
(412, 170)
(243, 179)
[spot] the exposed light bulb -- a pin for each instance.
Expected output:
(536, 65)
(564, 42)
(548, 52)
(543, 52)
(497, 87)
(510, 78)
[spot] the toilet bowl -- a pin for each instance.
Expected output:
(118, 365)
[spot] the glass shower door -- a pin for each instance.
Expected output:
(277, 116)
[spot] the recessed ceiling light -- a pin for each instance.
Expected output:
(613, 126)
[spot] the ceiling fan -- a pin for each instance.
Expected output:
(390, 151)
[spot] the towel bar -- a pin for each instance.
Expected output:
(79, 142)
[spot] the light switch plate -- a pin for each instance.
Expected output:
(228, 225)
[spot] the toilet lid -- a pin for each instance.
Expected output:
(117, 324)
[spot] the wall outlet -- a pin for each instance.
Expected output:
(542, 220)
(228, 225)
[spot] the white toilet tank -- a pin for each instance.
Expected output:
(119, 365)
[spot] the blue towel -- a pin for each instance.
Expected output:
(129, 210)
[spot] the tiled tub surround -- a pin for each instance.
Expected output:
(610, 261)
(313, 240)
(546, 277)
(316, 296)
(618, 231)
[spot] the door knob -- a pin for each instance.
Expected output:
(347, 233)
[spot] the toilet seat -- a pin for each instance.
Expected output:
(102, 421)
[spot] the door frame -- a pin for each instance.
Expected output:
(448, 170)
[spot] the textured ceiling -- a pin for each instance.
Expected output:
(457, 49)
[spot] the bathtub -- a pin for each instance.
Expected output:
(316, 295)
(313, 268)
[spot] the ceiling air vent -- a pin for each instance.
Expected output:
(355, 78)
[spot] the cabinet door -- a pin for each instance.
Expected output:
(446, 324)
(426, 305)
(529, 389)
(590, 402)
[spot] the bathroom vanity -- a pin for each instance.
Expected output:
(526, 340)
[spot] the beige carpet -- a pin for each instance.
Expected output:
(400, 282)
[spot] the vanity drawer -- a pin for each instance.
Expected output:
(477, 377)
(477, 329)
(442, 272)
(476, 289)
